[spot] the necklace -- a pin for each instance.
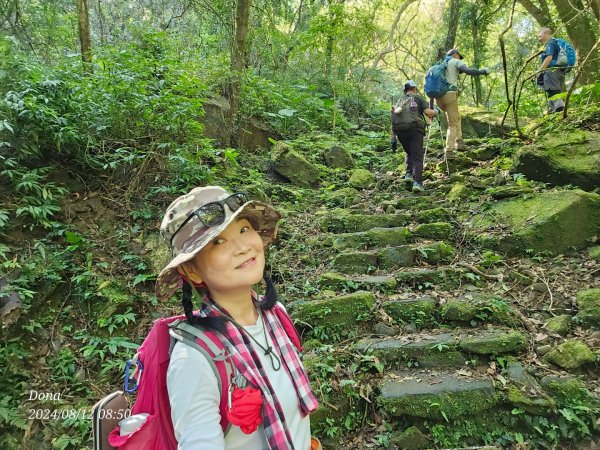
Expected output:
(267, 349)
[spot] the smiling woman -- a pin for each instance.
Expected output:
(217, 244)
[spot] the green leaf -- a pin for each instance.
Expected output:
(287, 112)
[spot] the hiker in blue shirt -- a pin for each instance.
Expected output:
(553, 79)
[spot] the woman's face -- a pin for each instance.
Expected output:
(233, 260)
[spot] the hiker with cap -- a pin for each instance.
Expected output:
(552, 80)
(449, 101)
(217, 242)
(408, 127)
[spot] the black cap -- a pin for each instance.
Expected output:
(454, 51)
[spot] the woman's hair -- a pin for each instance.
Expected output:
(215, 323)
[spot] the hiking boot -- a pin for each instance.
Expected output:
(408, 177)
(460, 145)
(417, 187)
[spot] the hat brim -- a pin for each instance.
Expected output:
(264, 220)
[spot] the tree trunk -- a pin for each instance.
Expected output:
(84, 35)
(582, 30)
(238, 65)
(538, 13)
(453, 15)
(476, 57)
(334, 21)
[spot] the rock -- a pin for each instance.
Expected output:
(338, 158)
(361, 179)
(553, 221)
(420, 311)
(345, 311)
(494, 342)
(457, 178)
(436, 253)
(156, 252)
(441, 396)
(384, 329)
(477, 308)
(11, 306)
(559, 324)
(520, 278)
(524, 399)
(571, 354)
(501, 192)
(457, 163)
(594, 252)
(293, 166)
(562, 158)
(410, 439)
(434, 230)
(383, 237)
(458, 192)
(588, 301)
(484, 153)
(543, 349)
(385, 283)
(433, 215)
(343, 197)
(393, 257)
(340, 221)
(356, 262)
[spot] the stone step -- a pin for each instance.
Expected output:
(340, 220)
(437, 395)
(427, 278)
(366, 262)
(471, 309)
(338, 282)
(384, 237)
(438, 348)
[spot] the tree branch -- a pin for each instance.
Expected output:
(577, 75)
(390, 40)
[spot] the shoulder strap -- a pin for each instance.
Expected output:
(288, 325)
(215, 354)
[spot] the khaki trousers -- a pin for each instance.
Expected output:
(449, 104)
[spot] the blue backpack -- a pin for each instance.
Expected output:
(567, 55)
(436, 84)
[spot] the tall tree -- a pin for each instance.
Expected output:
(453, 14)
(84, 34)
(238, 64)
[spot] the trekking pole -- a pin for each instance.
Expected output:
(427, 142)
(443, 143)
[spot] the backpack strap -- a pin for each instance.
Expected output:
(288, 325)
(215, 354)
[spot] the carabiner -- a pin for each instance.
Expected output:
(129, 375)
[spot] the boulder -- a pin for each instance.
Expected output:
(343, 197)
(594, 252)
(338, 158)
(293, 166)
(553, 221)
(458, 192)
(588, 301)
(559, 325)
(434, 230)
(562, 158)
(344, 312)
(410, 439)
(361, 179)
(570, 354)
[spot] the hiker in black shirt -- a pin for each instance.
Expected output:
(408, 127)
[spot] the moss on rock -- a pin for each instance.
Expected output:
(338, 158)
(382, 237)
(341, 221)
(355, 262)
(410, 439)
(588, 301)
(434, 230)
(594, 252)
(559, 324)
(344, 311)
(433, 215)
(343, 197)
(494, 342)
(420, 311)
(571, 354)
(361, 179)
(293, 166)
(530, 403)
(436, 253)
(458, 192)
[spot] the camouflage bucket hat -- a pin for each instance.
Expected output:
(186, 234)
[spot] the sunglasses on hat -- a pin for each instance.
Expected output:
(213, 213)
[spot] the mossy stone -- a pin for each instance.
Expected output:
(355, 262)
(338, 158)
(383, 237)
(392, 257)
(344, 197)
(594, 252)
(571, 354)
(559, 324)
(436, 253)
(501, 192)
(529, 403)
(420, 311)
(562, 158)
(343, 311)
(410, 439)
(588, 301)
(292, 165)
(361, 179)
(433, 215)
(458, 192)
(434, 230)
(494, 342)
(356, 241)
(554, 221)
(341, 221)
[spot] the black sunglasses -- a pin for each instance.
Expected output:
(213, 214)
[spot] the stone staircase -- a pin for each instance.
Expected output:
(458, 359)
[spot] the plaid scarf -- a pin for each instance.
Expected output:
(246, 361)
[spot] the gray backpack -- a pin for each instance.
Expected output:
(406, 114)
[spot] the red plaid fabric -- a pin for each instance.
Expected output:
(245, 358)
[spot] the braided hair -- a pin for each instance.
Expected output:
(216, 323)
